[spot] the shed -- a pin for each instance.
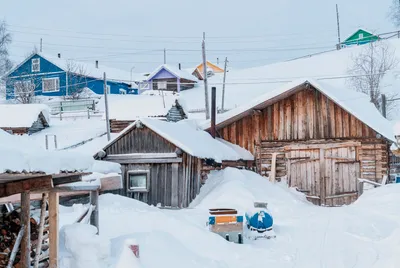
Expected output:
(168, 78)
(322, 138)
(124, 110)
(211, 69)
(360, 37)
(24, 118)
(163, 162)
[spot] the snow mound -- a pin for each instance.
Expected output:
(22, 115)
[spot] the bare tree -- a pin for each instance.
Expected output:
(24, 90)
(369, 67)
(77, 80)
(5, 41)
(394, 12)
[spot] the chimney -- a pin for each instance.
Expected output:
(217, 61)
(179, 66)
(59, 55)
(213, 111)
(97, 64)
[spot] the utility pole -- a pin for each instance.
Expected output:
(203, 47)
(338, 26)
(165, 56)
(106, 108)
(41, 45)
(223, 86)
(384, 102)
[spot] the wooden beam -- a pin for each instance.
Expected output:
(25, 221)
(272, 175)
(41, 227)
(322, 176)
(174, 186)
(63, 179)
(94, 201)
(75, 188)
(141, 156)
(322, 146)
(147, 161)
(53, 229)
(42, 183)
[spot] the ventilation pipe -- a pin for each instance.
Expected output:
(179, 66)
(59, 55)
(97, 64)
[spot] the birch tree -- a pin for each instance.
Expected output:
(369, 68)
(77, 80)
(5, 41)
(394, 12)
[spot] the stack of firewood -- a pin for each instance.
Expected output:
(10, 225)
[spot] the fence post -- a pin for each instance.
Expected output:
(360, 187)
(60, 115)
(47, 141)
(88, 113)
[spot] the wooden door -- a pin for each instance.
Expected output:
(326, 173)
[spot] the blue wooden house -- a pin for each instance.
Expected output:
(168, 78)
(55, 76)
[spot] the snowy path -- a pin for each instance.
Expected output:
(363, 235)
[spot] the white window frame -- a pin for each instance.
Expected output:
(131, 188)
(57, 89)
(26, 82)
(35, 62)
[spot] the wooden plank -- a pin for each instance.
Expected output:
(325, 146)
(174, 185)
(301, 116)
(147, 161)
(282, 124)
(310, 114)
(53, 229)
(41, 228)
(318, 128)
(272, 175)
(328, 118)
(95, 217)
(346, 124)
(25, 221)
(332, 116)
(288, 119)
(270, 121)
(322, 176)
(353, 127)
(34, 184)
(275, 124)
(339, 121)
(295, 117)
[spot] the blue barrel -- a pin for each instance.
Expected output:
(260, 221)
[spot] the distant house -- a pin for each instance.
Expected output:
(168, 78)
(23, 118)
(211, 70)
(124, 110)
(55, 76)
(360, 37)
(163, 163)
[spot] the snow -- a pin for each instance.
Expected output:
(132, 107)
(355, 103)
(175, 71)
(193, 141)
(365, 234)
(22, 115)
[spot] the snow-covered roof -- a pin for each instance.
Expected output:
(132, 107)
(18, 154)
(355, 103)
(196, 142)
(22, 115)
(89, 69)
(175, 71)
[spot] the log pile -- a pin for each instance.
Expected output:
(10, 225)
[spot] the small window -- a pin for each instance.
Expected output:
(35, 65)
(138, 181)
(361, 36)
(50, 85)
(162, 84)
(108, 89)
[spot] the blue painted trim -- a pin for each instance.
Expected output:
(239, 218)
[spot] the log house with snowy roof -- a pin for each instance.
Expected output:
(164, 163)
(322, 139)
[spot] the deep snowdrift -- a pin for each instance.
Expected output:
(362, 235)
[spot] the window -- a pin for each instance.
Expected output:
(50, 85)
(35, 65)
(138, 181)
(162, 85)
(25, 87)
(361, 36)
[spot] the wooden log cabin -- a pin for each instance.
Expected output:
(22, 119)
(164, 163)
(321, 139)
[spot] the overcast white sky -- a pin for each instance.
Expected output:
(126, 34)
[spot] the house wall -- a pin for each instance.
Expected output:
(309, 117)
(172, 84)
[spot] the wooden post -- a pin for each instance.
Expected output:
(175, 186)
(272, 175)
(205, 79)
(106, 107)
(322, 176)
(223, 87)
(360, 187)
(25, 220)
(213, 111)
(53, 229)
(41, 227)
(94, 201)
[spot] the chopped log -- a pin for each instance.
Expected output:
(16, 247)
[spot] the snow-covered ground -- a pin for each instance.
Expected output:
(363, 235)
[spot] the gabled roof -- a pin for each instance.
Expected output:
(355, 103)
(174, 71)
(360, 30)
(192, 140)
(22, 115)
(199, 69)
(90, 70)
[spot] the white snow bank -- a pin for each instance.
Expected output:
(193, 141)
(81, 247)
(22, 115)
(18, 154)
(127, 257)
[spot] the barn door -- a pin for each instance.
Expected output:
(342, 169)
(326, 173)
